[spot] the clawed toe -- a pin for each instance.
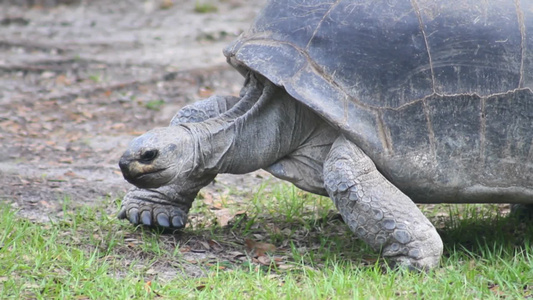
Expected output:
(122, 213)
(146, 218)
(162, 220)
(154, 217)
(133, 216)
(140, 211)
(178, 222)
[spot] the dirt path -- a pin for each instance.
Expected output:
(79, 81)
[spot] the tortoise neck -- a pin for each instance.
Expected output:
(258, 131)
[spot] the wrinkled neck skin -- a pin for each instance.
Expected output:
(270, 125)
(263, 127)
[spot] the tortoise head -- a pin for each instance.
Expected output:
(159, 157)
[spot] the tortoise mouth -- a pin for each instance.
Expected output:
(147, 179)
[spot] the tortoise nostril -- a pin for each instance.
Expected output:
(148, 156)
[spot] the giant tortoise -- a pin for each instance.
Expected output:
(378, 104)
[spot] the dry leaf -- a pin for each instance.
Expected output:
(66, 160)
(62, 79)
(236, 254)
(205, 92)
(185, 249)
(118, 126)
(214, 243)
(224, 216)
(46, 204)
(278, 259)
(259, 247)
(81, 101)
(207, 198)
(70, 174)
(496, 289)
(148, 286)
(205, 245)
(135, 132)
(284, 267)
(166, 4)
(151, 271)
(87, 114)
(264, 260)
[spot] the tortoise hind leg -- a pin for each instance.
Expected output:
(522, 211)
(377, 211)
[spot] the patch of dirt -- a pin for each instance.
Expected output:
(80, 79)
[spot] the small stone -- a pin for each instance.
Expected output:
(353, 196)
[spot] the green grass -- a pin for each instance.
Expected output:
(204, 7)
(88, 254)
(154, 104)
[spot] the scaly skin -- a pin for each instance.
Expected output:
(200, 111)
(170, 165)
(163, 207)
(151, 207)
(378, 212)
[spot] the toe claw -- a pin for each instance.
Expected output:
(122, 213)
(162, 220)
(134, 216)
(146, 218)
(177, 222)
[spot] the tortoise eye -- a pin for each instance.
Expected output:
(148, 156)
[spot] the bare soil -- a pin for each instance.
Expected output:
(80, 79)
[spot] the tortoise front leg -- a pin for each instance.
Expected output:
(377, 211)
(153, 208)
(163, 207)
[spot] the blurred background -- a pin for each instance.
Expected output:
(80, 78)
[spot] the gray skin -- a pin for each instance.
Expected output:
(310, 150)
(377, 105)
